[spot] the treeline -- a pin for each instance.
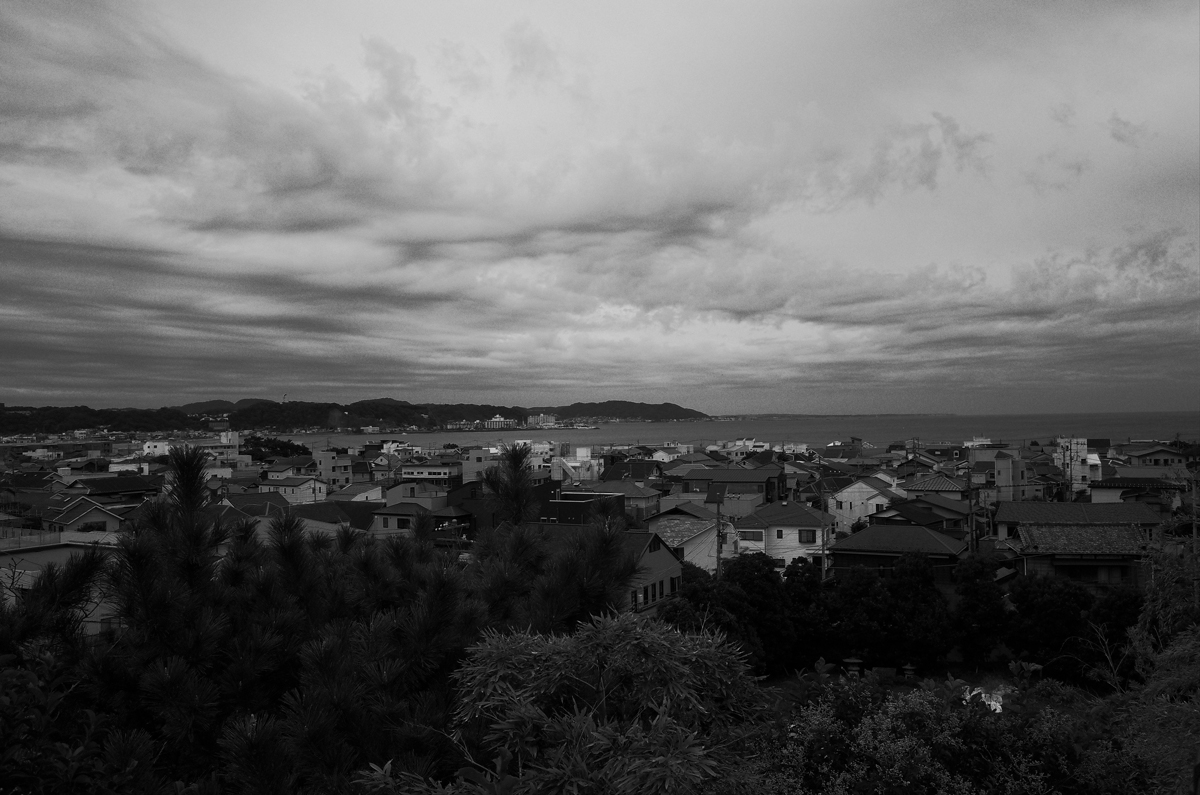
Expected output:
(621, 409)
(16, 420)
(786, 622)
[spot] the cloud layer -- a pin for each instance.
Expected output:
(797, 209)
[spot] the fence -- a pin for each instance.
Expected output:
(15, 538)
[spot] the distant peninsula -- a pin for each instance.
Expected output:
(268, 414)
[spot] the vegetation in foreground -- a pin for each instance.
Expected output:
(294, 663)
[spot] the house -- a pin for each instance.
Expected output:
(1154, 455)
(1162, 495)
(296, 490)
(690, 529)
(880, 546)
(446, 474)
(1011, 517)
(1095, 555)
(639, 500)
(127, 487)
(85, 515)
(785, 531)
(397, 519)
(634, 470)
(660, 573)
(937, 484)
(427, 495)
(335, 467)
(359, 492)
(858, 499)
(768, 482)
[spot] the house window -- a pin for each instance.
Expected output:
(808, 536)
(660, 589)
(385, 523)
(750, 535)
(674, 584)
(779, 532)
(645, 594)
(633, 599)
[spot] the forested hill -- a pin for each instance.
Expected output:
(245, 414)
(622, 409)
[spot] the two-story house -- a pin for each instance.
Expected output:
(785, 531)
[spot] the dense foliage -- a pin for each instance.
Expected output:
(279, 661)
(61, 419)
(784, 622)
(260, 448)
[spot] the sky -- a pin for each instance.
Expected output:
(809, 207)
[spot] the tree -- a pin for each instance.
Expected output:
(766, 608)
(980, 618)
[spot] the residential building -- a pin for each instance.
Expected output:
(297, 490)
(858, 499)
(785, 531)
(1012, 517)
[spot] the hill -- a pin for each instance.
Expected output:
(622, 409)
(217, 406)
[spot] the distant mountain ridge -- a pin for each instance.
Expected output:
(260, 413)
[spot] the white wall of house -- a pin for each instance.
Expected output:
(856, 501)
(783, 542)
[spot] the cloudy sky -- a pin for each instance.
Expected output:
(785, 206)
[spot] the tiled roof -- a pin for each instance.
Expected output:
(788, 514)
(1135, 483)
(935, 483)
(1082, 540)
(899, 539)
(675, 530)
(946, 503)
(1060, 513)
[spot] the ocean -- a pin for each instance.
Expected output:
(818, 431)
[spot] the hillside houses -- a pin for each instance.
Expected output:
(836, 506)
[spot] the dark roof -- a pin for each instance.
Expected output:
(115, 485)
(260, 503)
(734, 475)
(1082, 540)
(899, 539)
(326, 512)
(909, 512)
(400, 509)
(1135, 483)
(631, 470)
(946, 503)
(361, 514)
(935, 483)
(784, 513)
(451, 512)
(1060, 513)
(693, 509)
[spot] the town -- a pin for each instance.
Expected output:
(1076, 508)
